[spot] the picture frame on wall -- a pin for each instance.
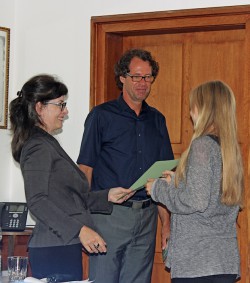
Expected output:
(4, 75)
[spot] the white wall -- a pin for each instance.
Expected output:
(7, 19)
(53, 36)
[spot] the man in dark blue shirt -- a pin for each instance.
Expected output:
(121, 140)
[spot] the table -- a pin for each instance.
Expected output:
(5, 279)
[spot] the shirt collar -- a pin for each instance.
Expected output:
(124, 106)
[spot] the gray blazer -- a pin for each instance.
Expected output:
(203, 237)
(57, 192)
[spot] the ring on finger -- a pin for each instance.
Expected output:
(96, 246)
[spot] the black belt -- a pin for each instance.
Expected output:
(137, 204)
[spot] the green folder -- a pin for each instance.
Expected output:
(155, 171)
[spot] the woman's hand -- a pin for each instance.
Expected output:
(149, 186)
(119, 194)
(167, 175)
(92, 241)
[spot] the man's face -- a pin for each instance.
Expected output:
(135, 92)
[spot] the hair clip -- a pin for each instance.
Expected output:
(20, 93)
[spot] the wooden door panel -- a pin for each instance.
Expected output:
(166, 93)
(212, 55)
(220, 61)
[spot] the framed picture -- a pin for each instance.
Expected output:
(4, 75)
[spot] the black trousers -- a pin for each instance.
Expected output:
(62, 263)
(223, 278)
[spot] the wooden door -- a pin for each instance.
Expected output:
(191, 47)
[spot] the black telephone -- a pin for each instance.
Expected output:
(13, 216)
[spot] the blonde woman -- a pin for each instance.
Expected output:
(204, 195)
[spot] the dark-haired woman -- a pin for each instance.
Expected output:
(56, 189)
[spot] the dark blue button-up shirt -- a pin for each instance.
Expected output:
(120, 146)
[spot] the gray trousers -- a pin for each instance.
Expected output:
(130, 236)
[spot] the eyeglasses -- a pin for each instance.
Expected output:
(60, 104)
(136, 78)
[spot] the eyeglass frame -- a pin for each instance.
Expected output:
(142, 77)
(60, 104)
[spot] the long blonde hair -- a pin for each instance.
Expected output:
(216, 107)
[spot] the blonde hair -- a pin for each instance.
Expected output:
(216, 107)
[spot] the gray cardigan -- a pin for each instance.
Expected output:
(203, 237)
(57, 192)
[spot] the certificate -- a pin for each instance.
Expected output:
(155, 171)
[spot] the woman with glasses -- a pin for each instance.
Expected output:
(205, 193)
(56, 189)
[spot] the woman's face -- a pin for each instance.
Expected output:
(194, 114)
(52, 114)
